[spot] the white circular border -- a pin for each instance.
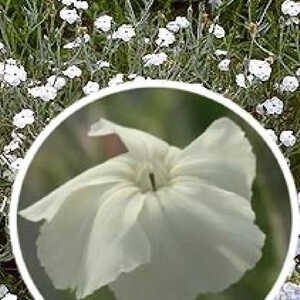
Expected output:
(196, 89)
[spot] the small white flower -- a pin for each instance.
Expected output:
(67, 2)
(44, 92)
(72, 72)
(10, 296)
(217, 30)
(271, 133)
(260, 69)
(103, 23)
(90, 88)
(13, 145)
(23, 118)
(57, 82)
(81, 5)
(273, 106)
(3, 290)
(118, 79)
(173, 26)
(147, 40)
(154, 213)
(165, 38)
(78, 42)
(154, 59)
(220, 52)
(182, 22)
(224, 65)
(290, 8)
(69, 15)
(215, 3)
(125, 32)
(16, 164)
(287, 138)
(12, 73)
(102, 64)
(240, 80)
(289, 84)
(298, 72)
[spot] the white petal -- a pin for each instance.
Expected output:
(104, 175)
(117, 243)
(221, 155)
(141, 145)
(202, 238)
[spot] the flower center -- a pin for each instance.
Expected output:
(151, 176)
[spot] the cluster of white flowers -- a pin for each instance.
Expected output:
(5, 294)
(178, 23)
(154, 59)
(125, 32)
(273, 106)
(289, 84)
(261, 69)
(217, 30)
(12, 73)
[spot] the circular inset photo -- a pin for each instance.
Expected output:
(157, 190)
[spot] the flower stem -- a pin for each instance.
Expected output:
(152, 179)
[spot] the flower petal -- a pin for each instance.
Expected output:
(106, 174)
(221, 155)
(117, 243)
(203, 239)
(141, 145)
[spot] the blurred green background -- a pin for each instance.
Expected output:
(177, 117)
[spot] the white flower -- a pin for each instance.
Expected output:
(118, 79)
(217, 30)
(81, 40)
(240, 80)
(23, 118)
(13, 145)
(57, 82)
(102, 64)
(291, 291)
(173, 26)
(289, 84)
(147, 40)
(298, 72)
(69, 15)
(273, 106)
(287, 138)
(3, 290)
(81, 5)
(260, 68)
(44, 92)
(72, 72)
(290, 8)
(67, 2)
(103, 23)
(182, 22)
(125, 32)
(272, 135)
(224, 65)
(9, 296)
(12, 73)
(220, 52)
(165, 38)
(154, 214)
(154, 59)
(16, 164)
(215, 3)
(91, 87)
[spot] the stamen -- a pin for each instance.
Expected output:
(152, 180)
